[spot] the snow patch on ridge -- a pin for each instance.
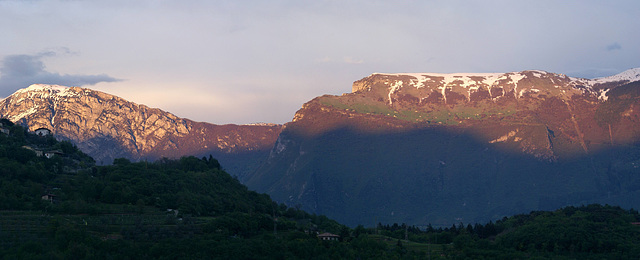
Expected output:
(469, 81)
(630, 75)
(603, 95)
(53, 89)
(449, 78)
(627, 76)
(393, 88)
(515, 78)
(45, 91)
(24, 114)
(472, 82)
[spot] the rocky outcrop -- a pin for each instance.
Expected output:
(493, 104)
(108, 127)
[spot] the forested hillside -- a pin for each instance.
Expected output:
(55, 203)
(66, 207)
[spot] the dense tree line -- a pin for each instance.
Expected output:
(584, 232)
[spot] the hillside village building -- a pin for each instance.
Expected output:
(329, 237)
(43, 131)
(49, 197)
(46, 153)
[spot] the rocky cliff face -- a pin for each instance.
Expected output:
(441, 148)
(107, 127)
(528, 110)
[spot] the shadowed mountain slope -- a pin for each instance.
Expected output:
(444, 148)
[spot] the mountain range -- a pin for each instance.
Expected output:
(108, 127)
(410, 147)
(445, 148)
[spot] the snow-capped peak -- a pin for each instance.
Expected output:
(56, 88)
(629, 75)
(52, 89)
(46, 90)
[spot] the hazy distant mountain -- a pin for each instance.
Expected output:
(443, 148)
(107, 127)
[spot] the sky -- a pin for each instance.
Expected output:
(247, 61)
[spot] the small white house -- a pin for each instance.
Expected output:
(43, 132)
(50, 154)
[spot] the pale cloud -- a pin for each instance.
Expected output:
(22, 70)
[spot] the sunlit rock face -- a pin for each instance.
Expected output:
(525, 110)
(440, 148)
(108, 127)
